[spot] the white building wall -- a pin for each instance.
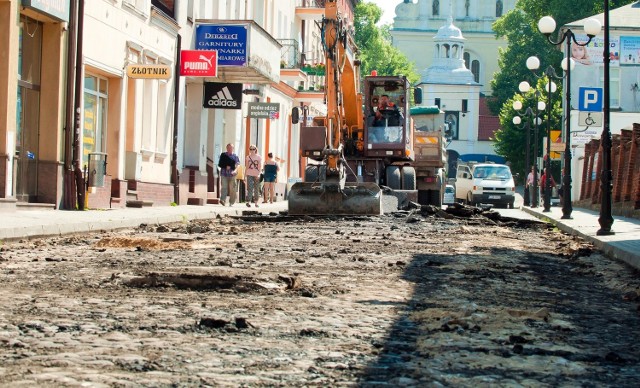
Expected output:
(119, 34)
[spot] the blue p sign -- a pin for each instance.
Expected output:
(590, 99)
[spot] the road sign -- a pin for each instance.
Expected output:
(590, 119)
(558, 147)
(580, 138)
(590, 99)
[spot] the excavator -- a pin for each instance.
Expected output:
(358, 145)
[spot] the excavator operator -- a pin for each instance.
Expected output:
(387, 113)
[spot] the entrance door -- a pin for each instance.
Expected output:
(26, 162)
(28, 110)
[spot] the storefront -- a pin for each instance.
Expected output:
(32, 69)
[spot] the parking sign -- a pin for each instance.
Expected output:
(590, 99)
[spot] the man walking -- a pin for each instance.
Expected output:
(228, 164)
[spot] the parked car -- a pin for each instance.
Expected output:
(449, 195)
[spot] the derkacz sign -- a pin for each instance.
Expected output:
(229, 40)
(57, 9)
(264, 110)
(218, 95)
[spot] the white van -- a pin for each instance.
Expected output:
(487, 183)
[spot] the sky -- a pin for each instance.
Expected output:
(388, 9)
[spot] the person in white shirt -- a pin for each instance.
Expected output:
(253, 166)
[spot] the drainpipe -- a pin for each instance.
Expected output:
(68, 193)
(77, 146)
(175, 175)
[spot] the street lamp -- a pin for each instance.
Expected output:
(533, 64)
(524, 87)
(606, 220)
(547, 26)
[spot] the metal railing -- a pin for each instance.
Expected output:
(290, 56)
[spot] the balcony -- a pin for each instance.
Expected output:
(310, 94)
(310, 9)
(261, 50)
(290, 61)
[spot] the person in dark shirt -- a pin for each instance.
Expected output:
(228, 164)
(271, 169)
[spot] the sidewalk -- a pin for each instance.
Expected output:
(624, 245)
(42, 223)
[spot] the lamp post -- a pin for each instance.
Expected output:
(533, 63)
(524, 87)
(605, 219)
(547, 26)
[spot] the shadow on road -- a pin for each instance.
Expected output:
(504, 316)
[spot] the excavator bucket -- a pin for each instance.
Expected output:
(355, 199)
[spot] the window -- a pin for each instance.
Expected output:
(435, 8)
(94, 128)
(473, 65)
(465, 106)
(498, 8)
(614, 85)
(437, 102)
(451, 118)
(166, 6)
(141, 6)
(475, 69)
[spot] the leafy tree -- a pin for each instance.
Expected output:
(510, 139)
(520, 28)
(374, 43)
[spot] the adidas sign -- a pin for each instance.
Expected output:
(224, 98)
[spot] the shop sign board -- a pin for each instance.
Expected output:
(149, 71)
(219, 95)
(229, 40)
(199, 63)
(264, 110)
(57, 9)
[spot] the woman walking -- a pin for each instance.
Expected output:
(270, 174)
(253, 165)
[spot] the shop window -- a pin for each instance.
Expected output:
(154, 111)
(94, 128)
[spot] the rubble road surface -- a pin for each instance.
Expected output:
(406, 299)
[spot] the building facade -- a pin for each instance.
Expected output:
(127, 127)
(624, 93)
(416, 24)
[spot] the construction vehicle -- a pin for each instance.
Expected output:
(356, 148)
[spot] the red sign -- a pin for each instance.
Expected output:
(199, 63)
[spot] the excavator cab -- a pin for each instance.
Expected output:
(387, 126)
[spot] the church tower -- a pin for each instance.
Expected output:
(450, 85)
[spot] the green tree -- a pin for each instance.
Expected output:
(374, 43)
(510, 139)
(520, 28)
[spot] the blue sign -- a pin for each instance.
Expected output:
(590, 99)
(229, 40)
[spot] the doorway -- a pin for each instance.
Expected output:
(28, 111)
